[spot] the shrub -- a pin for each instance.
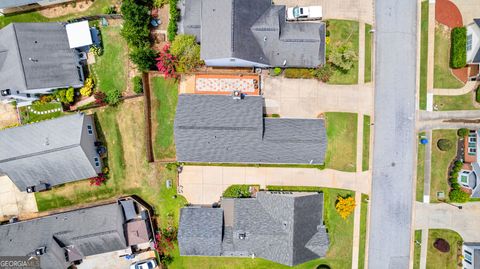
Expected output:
(65, 96)
(342, 56)
(46, 99)
(458, 163)
(277, 71)
(87, 88)
(444, 144)
(136, 20)
(109, 10)
(100, 98)
(345, 206)
(463, 132)
(96, 50)
(458, 49)
(143, 57)
(442, 245)
(172, 23)
(455, 185)
(237, 191)
(458, 196)
(454, 175)
(477, 94)
(298, 73)
(187, 52)
(166, 62)
(98, 180)
(323, 73)
(137, 84)
(159, 3)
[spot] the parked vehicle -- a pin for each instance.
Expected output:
(145, 264)
(304, 13)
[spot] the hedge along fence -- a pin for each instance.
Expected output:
(172, 23)
(239, 191)
(458, 49)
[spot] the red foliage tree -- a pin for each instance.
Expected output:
(99, 97)
(166, 62)
(98, 180)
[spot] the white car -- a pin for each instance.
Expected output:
(304, 13)
(145, 264)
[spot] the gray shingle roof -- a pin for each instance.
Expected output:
(53, 151)
(200, 231)
(39, 55)
(284, 228)
(218, 129)
(16, 3)
(91, 231)
(253, 30)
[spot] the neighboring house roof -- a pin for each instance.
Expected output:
(255, 31)
(219, 129)
(16, 3)
(200, 231)
(37, 56)
(284, 228)
(84, 232)
(51, 151)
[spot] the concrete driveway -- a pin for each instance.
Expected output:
(445, 216)
(112, 260)
(307, 98)
(14, 202)
(358, 10)
(8, 115)
(469, 10)
(205, 184)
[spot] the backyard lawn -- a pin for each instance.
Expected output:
(32, 113)
(34, 16)
(121, 128)
(338, 256)
(366, 142)
(368, 53)
(448, 260)
(417, 249)
(423, 55)
(344, 31)
(164, 102)
(342, 141)
(420, 170)
(443, 77)
(440, 163)
(109, 69)
(456, 102)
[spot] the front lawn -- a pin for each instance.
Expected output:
(443, 77)
(420, 170)
(368, 53)
(164, 102)
(423, 56)
(440, 163)
(38, 112)
(339, 254)
(448, 260)
(342, 141)
(110, 68)
(344, 31)
(455, 102)
(366, 143)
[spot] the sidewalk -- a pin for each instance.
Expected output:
(469, 86)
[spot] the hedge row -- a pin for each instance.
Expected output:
(458, 50)
(298, 73)
(238, 191)
(172, 23)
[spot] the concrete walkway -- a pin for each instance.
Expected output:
(445, 216)
(307, 98)
(469, 86)
(205, 184)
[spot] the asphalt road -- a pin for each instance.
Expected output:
(395, 139)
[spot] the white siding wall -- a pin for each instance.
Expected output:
(473, 30)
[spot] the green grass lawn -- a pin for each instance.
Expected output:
(368, 53)
(34, 16)
(443, 77)
(28, 116)
(423, 55)
(344, 31)
(440, 162)
(456, 102)
(342, 141)
(366, 142)
(339, 254)
(417, 249)
(448, 260)
(363, 232)
(420, 170)
(109, 69)
(164, 102)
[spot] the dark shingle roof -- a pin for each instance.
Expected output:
(16, 3)
(219, 129)
(91, 231)
(200, 231)
(51, 151)
(39, 55)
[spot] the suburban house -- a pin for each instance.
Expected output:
(283, 227)
(37, 58)
(16, 6)
(64, 239)
(471, 255)
(468, 177)
(473, 48)
(251, 33)
(232, 129)
(52, 152)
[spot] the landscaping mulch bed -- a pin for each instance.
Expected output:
(461, 74)
(447, 13)
(442, 245)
